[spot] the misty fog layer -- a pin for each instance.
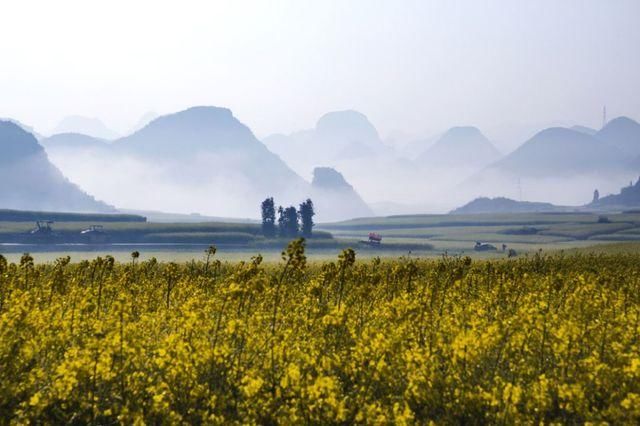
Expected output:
(204, 160)
(32, 181)
(198, 160)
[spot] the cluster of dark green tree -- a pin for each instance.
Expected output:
(291, 222)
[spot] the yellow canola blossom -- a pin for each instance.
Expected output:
(539, 340)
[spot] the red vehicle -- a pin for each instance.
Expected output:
(374, 238)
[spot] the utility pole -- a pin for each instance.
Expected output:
(604, 116)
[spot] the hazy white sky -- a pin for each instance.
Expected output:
(416, 66)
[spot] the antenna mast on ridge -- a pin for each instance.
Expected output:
(604, 116)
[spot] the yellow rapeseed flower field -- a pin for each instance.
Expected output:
(533, 340)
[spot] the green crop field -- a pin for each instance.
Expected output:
(458, 233)
(419, 235)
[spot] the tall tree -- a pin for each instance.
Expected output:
(306, 217)
(288, 222)
(281, 223)
(268, 218)
(291, 222)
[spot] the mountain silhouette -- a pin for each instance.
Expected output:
(146, 118)
(190, 131)
(203, 158)
(347, 141)
(622, 133)
(32, 182)
(86, 126)
(485, 205)
(23, 126)
(460, 147)
(340, 129)
(207, 142)
(558, 151)
(335, 198)
(338, 136)
(584, 129)
(557, 164)
(73, 141)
